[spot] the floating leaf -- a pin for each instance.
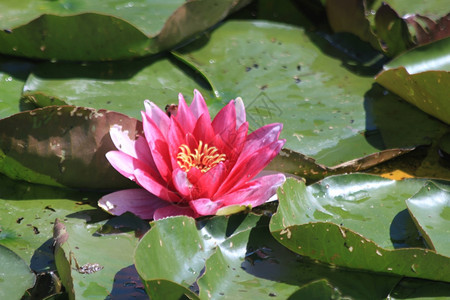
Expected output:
(433, 8)
(119, 86)
(15, 276)
(430, 210)
(183, 251)
(234, 257)
(392, 30)
(13, 73)
(63, 146)
(350, 16)
(422, 78)
(110, 30)
(413, 288)
(385, 25)
(356, 221)
(27, 213)
(90, 264)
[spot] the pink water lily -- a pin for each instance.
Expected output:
(190, 165)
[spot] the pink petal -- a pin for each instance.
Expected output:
(205, 206)
(158, 147)
(208, 183)
(239, 141)
(176, 137)
(184, 115)
(172, 210)
(245, 169)
(263, 136)
(198, 106)
(143, 153)
(122, 162)
(225, 122)
(194, 175)
(122, 140)
(255, 192)
(157, 115)
(240, 112)
(182, 183)
(152, 185)
(138, 201)
(203, 130)
(135, 148)
(126, 164)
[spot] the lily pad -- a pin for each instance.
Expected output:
(422, 77)
(63, 146)
(430, 209)
(356, 221)
(419, 289)
(181, 250)
(109, 30)
(119, 86)
(350, 16)
(15, 277)
(89, 263)
(432, 8)
(13, 73)
(330, 109)
(27, 213)
(392, 31)
(385, 25)
(235, 257)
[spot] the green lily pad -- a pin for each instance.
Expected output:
(13, 73)
(419, 289)
(356, 221)
(235, 257)
(430, 209)
(350, 16)
(27, 213)
(108, 30)
(89, 263)
(432, 8)
(430, 57)
(331, 115)
(63, 146)
(392, 30)
(385, 24)
(181, 252)
(119, 86)
(15, 277)
(422, 77)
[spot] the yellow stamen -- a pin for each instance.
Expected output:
(203, 158)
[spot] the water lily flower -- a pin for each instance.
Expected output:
(189, 165)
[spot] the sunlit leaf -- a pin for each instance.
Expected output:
(413, 288)
(430, 209)
(27, 213)
(15, 275)
(384, 24)
(119, 86)
(236, 257)
(63, 146)
(106, 30)
(98, 265)
(13, 73)
(422, 77)
(356, 221)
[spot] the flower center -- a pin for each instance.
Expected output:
(203, 158)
